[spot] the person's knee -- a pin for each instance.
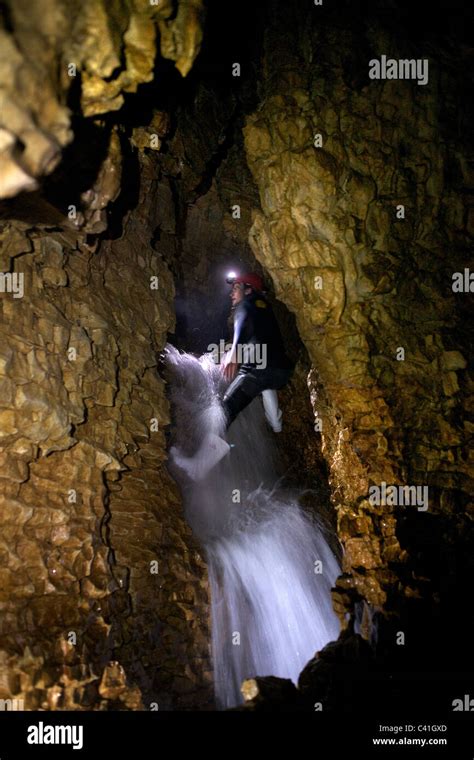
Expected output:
(234, 404)
(238, 395)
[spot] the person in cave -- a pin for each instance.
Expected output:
(258, 349)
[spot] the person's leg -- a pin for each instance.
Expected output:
(245, 387)
(274, 379)
(212, 450)
(273, 412)
(239, 394)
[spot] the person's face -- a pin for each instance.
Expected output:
(237, 293)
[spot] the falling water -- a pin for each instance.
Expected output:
(270, 567)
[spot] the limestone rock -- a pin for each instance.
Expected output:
(111, 47)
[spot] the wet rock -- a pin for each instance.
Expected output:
(328, 233)
(112, 48)
(81, 391)
(270, 694)
(325, 682)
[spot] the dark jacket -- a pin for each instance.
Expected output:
(256, 325)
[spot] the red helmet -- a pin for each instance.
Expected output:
(252, 279)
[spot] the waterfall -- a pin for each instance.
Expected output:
(270, 566)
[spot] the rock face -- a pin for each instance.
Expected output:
(335, 157)
(355, 198)
(98, 564)
(94, 547)
(328, 685)
(91, 51)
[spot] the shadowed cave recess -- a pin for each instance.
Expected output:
(138, 165)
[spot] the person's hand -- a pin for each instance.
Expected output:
(229, 366)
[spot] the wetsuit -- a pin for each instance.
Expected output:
(265, 363)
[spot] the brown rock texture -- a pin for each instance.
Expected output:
(98, 564)
(90, 51)
(104, 594)
(334, 155)
(121, 214)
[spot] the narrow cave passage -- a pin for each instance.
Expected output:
(145, 152)
(271, 568)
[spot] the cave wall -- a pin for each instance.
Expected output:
(83, 56)
(104, 592)
(206, 198)
(330, 211)
(87, 504)
(203, 174)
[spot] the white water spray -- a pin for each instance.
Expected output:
(270, 567)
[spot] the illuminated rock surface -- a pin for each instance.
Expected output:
(114, 202)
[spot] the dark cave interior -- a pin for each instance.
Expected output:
(131, 171)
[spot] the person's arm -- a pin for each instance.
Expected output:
(230, 363)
